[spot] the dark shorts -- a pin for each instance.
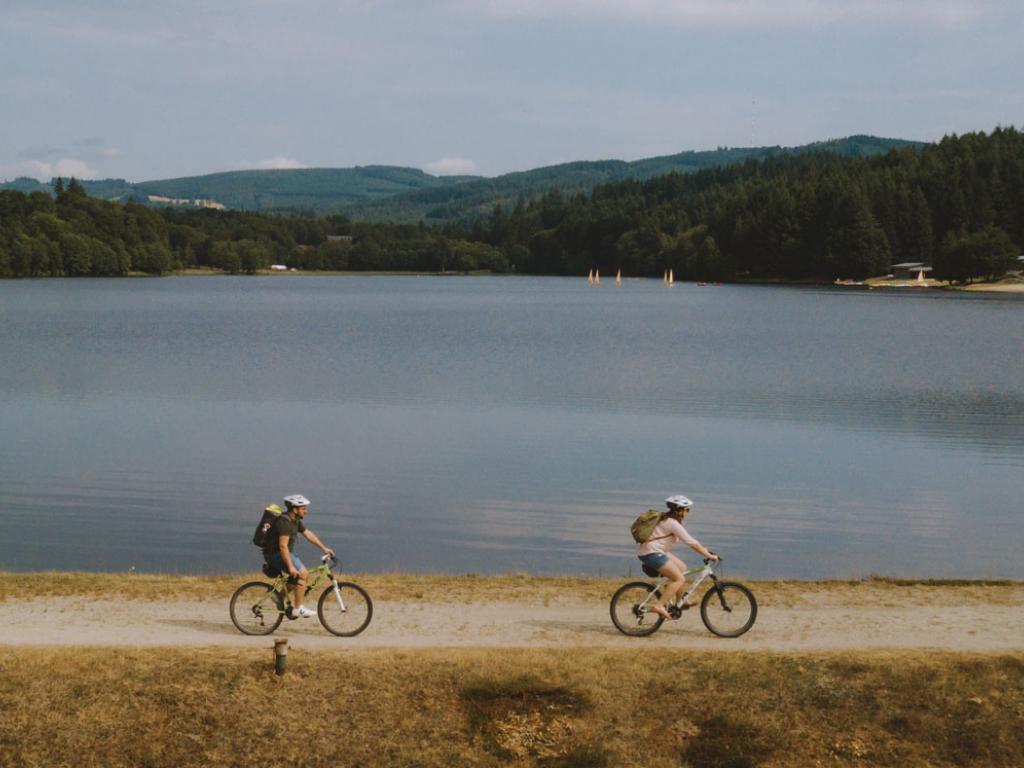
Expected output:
(652, 562)
(276, 562)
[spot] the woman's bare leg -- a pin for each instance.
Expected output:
(677, 581)
(682, 569)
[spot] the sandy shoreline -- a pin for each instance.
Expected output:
(1004, 286)
(995, 287)
(825, 617)
(1008, 285)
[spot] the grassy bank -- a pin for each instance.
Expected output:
(515, 587)
(578, 707)
(383, 586)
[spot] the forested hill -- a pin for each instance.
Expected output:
(390, 193)
(957, 204)
(301, 189)
(472, 199)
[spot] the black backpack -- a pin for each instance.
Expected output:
(270, 515)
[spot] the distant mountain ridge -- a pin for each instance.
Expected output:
(323, 190)
(478, 197)
(392, 193)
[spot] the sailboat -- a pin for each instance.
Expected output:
(590, 277)
(618, 277)
(671, 279)
(597, 277)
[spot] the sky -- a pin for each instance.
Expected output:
(146, 90)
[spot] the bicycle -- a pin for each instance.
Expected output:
(728, 608)
(344, 608)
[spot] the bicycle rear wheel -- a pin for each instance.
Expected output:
(728, 609)
(631, 609)
(349, 617)
(256, 609)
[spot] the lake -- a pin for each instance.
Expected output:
(499, 424)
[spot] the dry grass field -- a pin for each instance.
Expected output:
(105, 708)
(183, 688)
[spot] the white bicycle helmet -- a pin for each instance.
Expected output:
(296, 500)
(678, 501)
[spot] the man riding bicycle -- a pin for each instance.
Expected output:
(277, 552)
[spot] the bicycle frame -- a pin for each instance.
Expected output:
(704, 572)
(314, 577)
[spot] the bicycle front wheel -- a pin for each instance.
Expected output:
(631, 609)
(728, 609)
(256, 609)
(346, 613)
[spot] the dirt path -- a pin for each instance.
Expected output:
(827, 620)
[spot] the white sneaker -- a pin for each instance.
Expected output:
(304, 613)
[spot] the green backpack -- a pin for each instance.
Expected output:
(644, 526)
(270, 514)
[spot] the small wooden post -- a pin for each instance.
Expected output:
(280, 655)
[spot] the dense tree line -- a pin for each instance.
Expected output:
(958, 204)
(72, 234)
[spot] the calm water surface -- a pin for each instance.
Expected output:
(498, 424)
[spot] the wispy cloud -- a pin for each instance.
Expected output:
(41, 153)
(279, 163)
(450, 166)
(96, 147)
(30, 86)
(76, 26)
(273, 28)
(78, 159)
(44, 171)
(748, 13)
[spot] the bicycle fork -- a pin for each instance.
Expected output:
(337, 595)
(721, 594)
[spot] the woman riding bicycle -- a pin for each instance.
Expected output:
(655, 556)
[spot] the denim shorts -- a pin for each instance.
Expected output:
(276, 561)
(654, 560)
